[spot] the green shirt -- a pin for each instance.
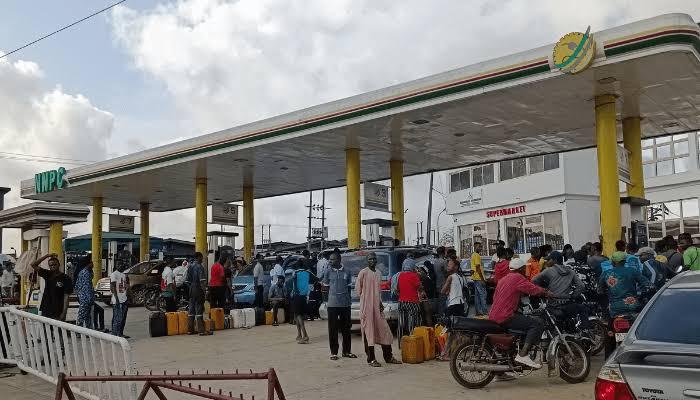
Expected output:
(691, 258)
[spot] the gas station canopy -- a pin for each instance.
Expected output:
(511, 107)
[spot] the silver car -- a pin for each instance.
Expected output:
(660, 357)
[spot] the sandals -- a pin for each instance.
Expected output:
(349, 355)
(374, 363)
(334, 357)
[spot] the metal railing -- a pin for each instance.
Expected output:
(179, 383)
(46, 348)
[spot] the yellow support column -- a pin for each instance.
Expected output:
(248, 223)
(632, 138)
(200, 240)
(396, 170)
(23, 281)
(606, 142)
(352, 181)
(145, 239)
(56, 241)
(96, 240)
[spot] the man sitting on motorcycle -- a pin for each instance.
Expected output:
(622, 284)
(505, 306)
(561, 280)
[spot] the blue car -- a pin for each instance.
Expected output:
(243, 284)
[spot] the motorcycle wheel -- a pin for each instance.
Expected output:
(575, 366)
(151, 302)
(470, 353)
(138, 297)
(597, 333)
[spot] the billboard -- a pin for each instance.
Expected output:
(224, 214)
(121, 223)
(376, 197)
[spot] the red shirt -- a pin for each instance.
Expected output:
(507, 296)
(217, 275)
(500, 270)
(408, 287)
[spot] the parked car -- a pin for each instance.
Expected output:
(243, 284)
(389, 261)
(143, 277)
(659, 359)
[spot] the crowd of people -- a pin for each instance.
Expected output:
(426, 290)
(622, 281)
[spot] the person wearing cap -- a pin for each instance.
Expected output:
(621, 284)
(505, 306)
(561, 280)
(655, 271)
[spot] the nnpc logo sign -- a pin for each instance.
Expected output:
(574, 52)
(49, 181)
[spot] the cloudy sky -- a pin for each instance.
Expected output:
(152, 72)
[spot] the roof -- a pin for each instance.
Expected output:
(687, 280)
(41, 214)
(510, 107)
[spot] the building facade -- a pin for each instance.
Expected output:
(554, 198)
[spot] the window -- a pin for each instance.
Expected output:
(523, 166)
(478, 176)
(524, 233)
(673, 218)
(513, 168)
(459, 181)
(665, 155)
(672, 318)
(485, 233)
(482, 175)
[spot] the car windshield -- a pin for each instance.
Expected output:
(672, 318)
(355, 262)
(141, 268)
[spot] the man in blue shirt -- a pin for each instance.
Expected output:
(197, 283)
(339, 282)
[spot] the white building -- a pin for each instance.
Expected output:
(554, 198)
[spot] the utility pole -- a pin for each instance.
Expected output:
(417, 234)
(421, 232)
(308, 238)
(323, 219)
(262, 237)
(269, 237)
(430, 208)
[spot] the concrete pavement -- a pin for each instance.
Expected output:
(306, 372)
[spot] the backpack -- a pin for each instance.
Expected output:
(395, 284)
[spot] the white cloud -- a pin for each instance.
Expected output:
(40, 120)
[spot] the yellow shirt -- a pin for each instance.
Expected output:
(476, 260)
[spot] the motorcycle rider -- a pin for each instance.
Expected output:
(621, 284)
(505, 306)
(561, 280)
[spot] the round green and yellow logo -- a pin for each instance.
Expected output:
(574, 52)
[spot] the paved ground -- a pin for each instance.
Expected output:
(304, 370)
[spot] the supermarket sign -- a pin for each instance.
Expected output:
(505, 211)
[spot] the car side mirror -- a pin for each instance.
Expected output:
(679, 269)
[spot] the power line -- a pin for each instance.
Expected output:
(41, 160)
(46, 157)
(62, 29)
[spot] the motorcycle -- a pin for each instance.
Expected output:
(591, 337)
(156, 302)
(492, 350)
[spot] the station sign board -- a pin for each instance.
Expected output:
(319, 232)
(376, 197)
(473, 199)
(623, 164)
(121, 223)
(224, 214)
(48, 181)
(574, 52)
